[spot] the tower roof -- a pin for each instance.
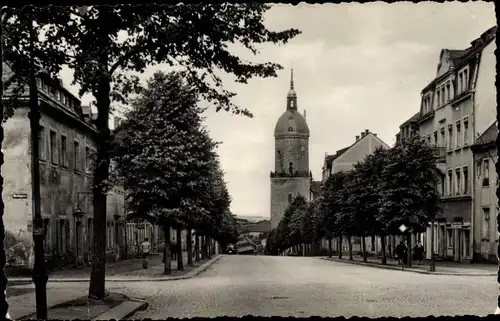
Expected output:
(291, 122)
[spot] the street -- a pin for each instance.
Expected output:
(301, 286)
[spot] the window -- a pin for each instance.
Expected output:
(450, 183)
(486, 223)
(436, 142)
(429, 139)
(450, 136)
(486, 172)
(466, 131)
(58, 95)
(465, 171)
(53, 147)
(450, 238)
(448, 87)
(289, 198)
(443, 95)
(41, 143)
(443, 137)
(438, 99)
(459, 181)
(76, 156)
(463, 80)
(64, 151)
(290, 129)
(88, 160)
(458, 134)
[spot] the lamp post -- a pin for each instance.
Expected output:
(432, 266)
(40, 275)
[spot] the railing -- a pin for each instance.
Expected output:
(293, 174)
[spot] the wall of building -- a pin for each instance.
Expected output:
(485, 96)
(485, 207)
(293, 150)
(284, 189)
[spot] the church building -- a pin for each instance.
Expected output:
(291, 175)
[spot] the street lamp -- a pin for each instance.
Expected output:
(40, 275)
(432, 266)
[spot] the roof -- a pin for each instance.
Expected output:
(331, 158)
(461, 56)
(412, 119)
(292, 123)
(489, 136)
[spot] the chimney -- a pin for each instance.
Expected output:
(357, 137)
(366, 131)
(375, 135)
(304, 114)
(362, 134)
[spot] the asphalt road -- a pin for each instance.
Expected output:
(298, 286)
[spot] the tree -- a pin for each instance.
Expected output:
(163, 154)
(299, 211)
(333, 207)
(365, 195)
(307, 226)
(408, 186)
(193, 37)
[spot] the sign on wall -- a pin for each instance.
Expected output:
(19, 196)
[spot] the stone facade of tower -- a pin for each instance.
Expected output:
(291, 175)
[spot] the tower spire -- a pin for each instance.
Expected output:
(291, 80)
(292, 96)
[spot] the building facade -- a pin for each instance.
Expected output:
(455, 106)
(291, 175)
(485, 199)
(67, 143)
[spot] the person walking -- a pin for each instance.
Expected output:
(401, 252)
(146, 249)
(419, 252)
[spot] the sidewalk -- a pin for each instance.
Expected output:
(126, 271)
(442, 268)
(72, 302)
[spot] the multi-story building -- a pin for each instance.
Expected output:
(455, 106)
(485, 200)
(67, 143)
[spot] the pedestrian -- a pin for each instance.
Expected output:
(146, 248)
(419, 252)
(401, 253)
(389, 248)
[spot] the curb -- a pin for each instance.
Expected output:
(194, 272)
(407, 270)
(108, 315)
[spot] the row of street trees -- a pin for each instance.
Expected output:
(389, 188)
(106, 47)
(166, 161)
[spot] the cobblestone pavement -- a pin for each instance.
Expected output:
(300, 286)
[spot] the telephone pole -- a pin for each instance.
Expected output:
(40, 276)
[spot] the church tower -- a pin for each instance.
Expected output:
(291, 175)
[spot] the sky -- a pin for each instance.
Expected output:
(356, 67)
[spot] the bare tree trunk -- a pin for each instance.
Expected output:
(189, 244)
(349, 242)
(167, 256)
(340, 247)
(363, 243)
(384, 256)
(180, 263)
(330, 247)
(197, 247)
